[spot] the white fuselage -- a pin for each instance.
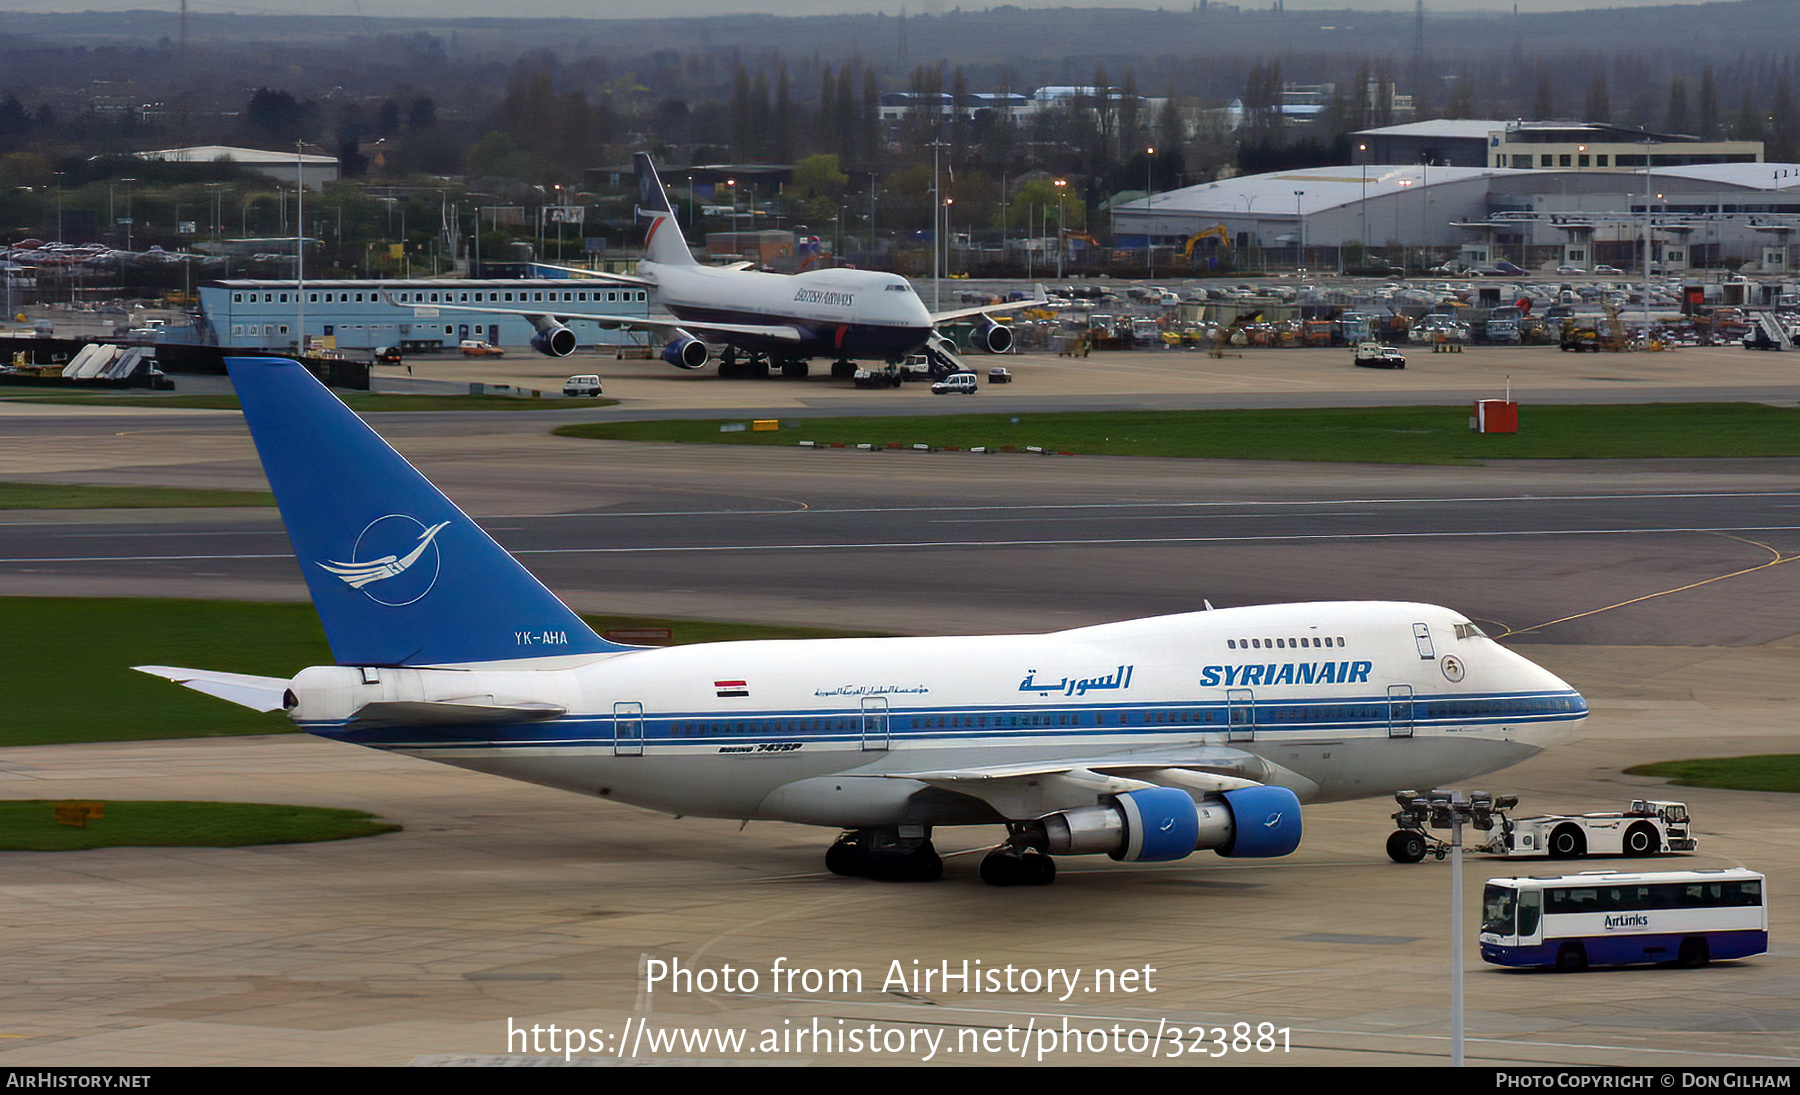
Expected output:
(855, 313)
(1332, 700)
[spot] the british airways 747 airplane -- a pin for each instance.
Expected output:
(1144, 741)
(781, 319)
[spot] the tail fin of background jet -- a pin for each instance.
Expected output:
(662, 236)
(399, 574)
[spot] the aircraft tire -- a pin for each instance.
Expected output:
(1406, 846)
(841, 858)
(1005, 867)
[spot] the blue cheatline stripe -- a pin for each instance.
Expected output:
(767, 724)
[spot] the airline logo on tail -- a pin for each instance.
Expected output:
(392, 534)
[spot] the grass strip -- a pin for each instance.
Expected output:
(1770, 772)
(78, 496)
(1383, 435)
(73, 682)
(31, 826)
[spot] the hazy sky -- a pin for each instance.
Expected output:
(637, 9)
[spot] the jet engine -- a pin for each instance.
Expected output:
(1163, 823)
(684, 351)
(552, 338)
(995, 338)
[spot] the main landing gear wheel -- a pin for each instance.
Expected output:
(1005, 866)
(843, 370)
(884, 855)
(1406, 846)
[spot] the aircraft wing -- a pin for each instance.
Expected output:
(469, 712)
(1034, 788)
(985, 309)
(781, 332)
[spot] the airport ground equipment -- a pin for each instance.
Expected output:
(1649, 827)
(1373, 355)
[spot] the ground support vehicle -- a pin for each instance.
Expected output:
(1613, 918)
(1649, 827)
(1577, 337)
(1373, 355)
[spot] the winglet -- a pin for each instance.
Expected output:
(399, 574)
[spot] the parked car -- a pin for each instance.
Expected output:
(963, 383)
(999, 374)
(585, 384)
(1611, 271)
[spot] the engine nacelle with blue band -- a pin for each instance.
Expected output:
(684, 351)
(1157, 824)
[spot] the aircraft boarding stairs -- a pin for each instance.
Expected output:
(942, 356)
(1768, 334)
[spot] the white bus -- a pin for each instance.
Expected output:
(1611, 918)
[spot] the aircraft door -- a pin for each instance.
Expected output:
(628, 729)
(1400, 711)
(462, 332)
(1422, 637)
(874, 723)
(1240, 706)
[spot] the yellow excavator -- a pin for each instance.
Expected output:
(1218, 231)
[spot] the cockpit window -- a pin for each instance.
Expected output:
(1469, 631)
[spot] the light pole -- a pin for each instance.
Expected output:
(1300, 232)
(937, 204)
(1404, 183)
(1648, 141)
(1362, 206)
(948, 202)
(1450, 810)
(1061, 184)
(1149, 214)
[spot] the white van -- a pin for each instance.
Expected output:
(586, 384)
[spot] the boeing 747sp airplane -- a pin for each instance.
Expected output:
(765, 319)
(1144, 741)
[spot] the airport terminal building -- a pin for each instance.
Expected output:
(413, 314)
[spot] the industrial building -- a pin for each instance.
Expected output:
(1416, 216)
(1474, 142)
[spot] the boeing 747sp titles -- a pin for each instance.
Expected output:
(766, 320)
(1144, 741)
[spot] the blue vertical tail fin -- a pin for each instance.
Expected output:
(399, 574)
(656, 217)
